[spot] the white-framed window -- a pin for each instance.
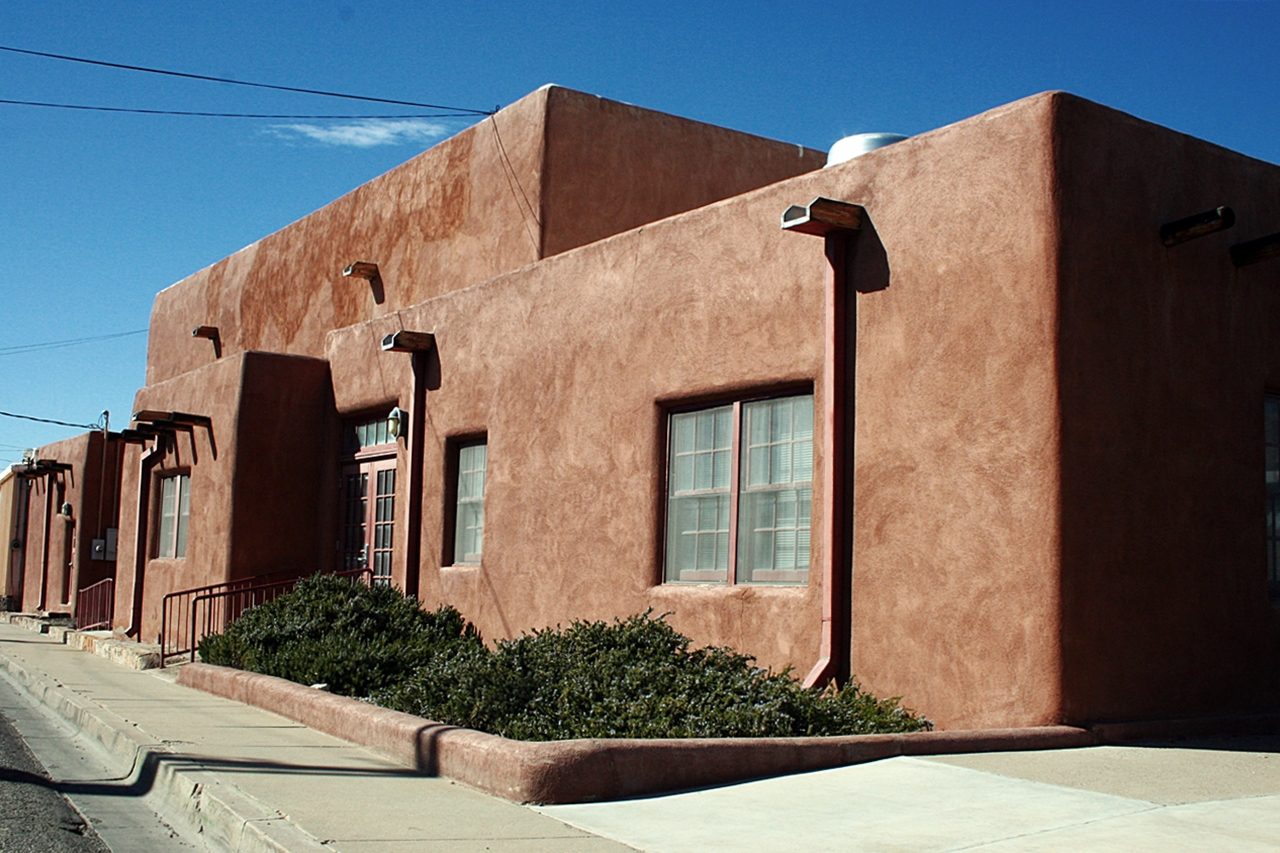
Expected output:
(468, 534)
(175, 510)
(740, 492)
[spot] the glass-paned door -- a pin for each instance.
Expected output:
(368, 516)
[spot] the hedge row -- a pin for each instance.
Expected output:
(636, 677)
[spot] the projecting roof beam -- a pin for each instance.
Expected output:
(406, 341)
(159, 419)
(1254, 251)
(823, 216)
(1200, 225)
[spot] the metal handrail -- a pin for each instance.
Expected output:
(175, 606)
(225, 606)
(96, 605)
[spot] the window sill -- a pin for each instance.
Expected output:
(726, 589)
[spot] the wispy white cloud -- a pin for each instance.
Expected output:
(366, 133)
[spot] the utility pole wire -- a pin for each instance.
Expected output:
(51, 421)
(216, 115)
(24, 348)
(183, 74)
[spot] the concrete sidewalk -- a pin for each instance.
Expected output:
(255, 781)
(249, 780)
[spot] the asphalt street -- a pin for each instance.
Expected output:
(33, 815)
(42, 762)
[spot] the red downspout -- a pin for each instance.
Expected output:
(833, 653)
(149, 460)
(416, 442)
(44, 552)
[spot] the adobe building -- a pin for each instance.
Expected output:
(60, 508)
(955, 417)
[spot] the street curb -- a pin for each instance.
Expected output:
(221, 815)
(104, 644)
(578, 771)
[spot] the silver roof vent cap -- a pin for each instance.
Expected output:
(859, 144)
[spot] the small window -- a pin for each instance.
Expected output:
(175, 510)
(361, 436)
(468, 538)
(740, 493)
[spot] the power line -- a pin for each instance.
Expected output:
(24, 348)
(51, 421)
(460, 110)
(216, 115)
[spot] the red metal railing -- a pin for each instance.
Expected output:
(208, 610)
(96, 605)
(175, 611)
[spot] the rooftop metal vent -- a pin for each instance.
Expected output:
(859, 144)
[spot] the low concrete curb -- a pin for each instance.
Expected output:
(224, 817)
(104, 644)
(577, 771)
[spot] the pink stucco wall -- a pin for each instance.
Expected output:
(1056, 439)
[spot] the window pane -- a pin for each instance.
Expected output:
(775, 501)
(698, 538)
(698, 501)
(168, 515)
(369, 433)
(468, 537)
(184, 514)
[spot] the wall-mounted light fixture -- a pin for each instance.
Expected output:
(1191, 227)
(1262, 249)
(209, 333)
(398, 422)
(65, 511)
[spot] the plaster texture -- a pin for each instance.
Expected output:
(259, 472)
(1056, 432)
(554, 170)
(55, 551)
(956, 402)
(1164, 357)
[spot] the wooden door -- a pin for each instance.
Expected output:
(367, 538)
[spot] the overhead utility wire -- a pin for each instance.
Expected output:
(51, 421)
(213, 115)
(462, 110)
(24, 348)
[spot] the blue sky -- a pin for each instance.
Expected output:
(99, 212)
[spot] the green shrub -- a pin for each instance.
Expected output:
(635, 677)
(355, 638)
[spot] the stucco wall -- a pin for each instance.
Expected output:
(471, 208)
(1165, 356)
(258, 497)
(569, 365)
(12, 488)
(566, 365)
(443, 220)
(53, 543)
(611, 166)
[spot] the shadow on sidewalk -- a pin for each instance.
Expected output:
(142, 780)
